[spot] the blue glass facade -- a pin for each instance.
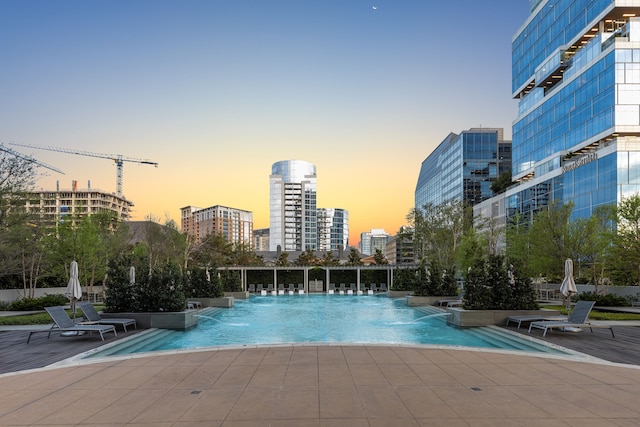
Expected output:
(463, 167)
(576, 74)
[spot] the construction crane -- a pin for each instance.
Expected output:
(118, 158)
(29, 159)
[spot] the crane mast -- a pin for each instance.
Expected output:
(119, 160)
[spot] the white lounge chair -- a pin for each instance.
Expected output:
(64, 323)
(578, 318)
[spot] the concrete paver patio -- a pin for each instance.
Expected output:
(333, 385)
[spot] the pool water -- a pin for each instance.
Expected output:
(321, 318)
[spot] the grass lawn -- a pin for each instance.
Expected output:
(34, 319)
(598, 315)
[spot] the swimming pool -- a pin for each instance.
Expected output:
(321, 318)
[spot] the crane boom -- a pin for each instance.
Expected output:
(29, 159)
(119, 159)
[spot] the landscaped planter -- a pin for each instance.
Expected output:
(468, 318)
(415, 301)
(224, 302)
(398, 294)
(179, 320)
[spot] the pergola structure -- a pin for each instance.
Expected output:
(327, 276)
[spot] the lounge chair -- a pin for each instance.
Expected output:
(383, 287)
(374, 287)
(300, 288)
(93, 316)
(332, 287)
(342, 287)
(451, 302)
(270, 287)
(252, 287)
(64, 323)
(533, 318)
(578, 318)
(352, 287)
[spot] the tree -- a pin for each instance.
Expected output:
(501, 183)
(549, 239)
(17, 178)
(589, 241)
(379, 258)
(164, 243)
(242, 254)
(92, 241)
(625, 253)
(283, 260)
(329, 260)
(438, 230)
(354, 258)
(307, 257)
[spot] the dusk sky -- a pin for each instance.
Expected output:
(217, 91)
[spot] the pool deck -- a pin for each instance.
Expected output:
(326, 385)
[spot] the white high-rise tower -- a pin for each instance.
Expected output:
(293, 220)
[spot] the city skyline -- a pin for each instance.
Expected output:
(217, 91)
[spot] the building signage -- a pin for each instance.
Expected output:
(580, 162)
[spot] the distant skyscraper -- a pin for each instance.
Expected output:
(377, 238)
(235, 225)
(463, 167)
(333, 229)
(293, 215)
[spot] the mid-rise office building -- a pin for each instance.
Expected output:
(293, 214)
(462, 167)
(236, 225)
(377, 238)
(333, 229)
(399, 248)
(54, 206)
(576, 76)
(261, 239)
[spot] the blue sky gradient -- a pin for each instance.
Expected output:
(217, 91)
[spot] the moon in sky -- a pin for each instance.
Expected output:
(374, 7)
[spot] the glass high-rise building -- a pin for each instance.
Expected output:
(576, 75)
(463, 167)
(293, 213)
(333, 229)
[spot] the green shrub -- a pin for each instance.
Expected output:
(229, 282)
(492, 285)
(609, 300)
(405, 279)
(120, 294)
(28, 304)
(163, 291)
(200, 283)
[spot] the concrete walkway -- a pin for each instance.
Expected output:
(339, 385)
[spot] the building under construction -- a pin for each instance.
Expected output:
(55, 206)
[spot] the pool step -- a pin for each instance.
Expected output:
(132, 346)
(501, 338)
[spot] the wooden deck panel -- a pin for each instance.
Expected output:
(621, 349)
(17, 355)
